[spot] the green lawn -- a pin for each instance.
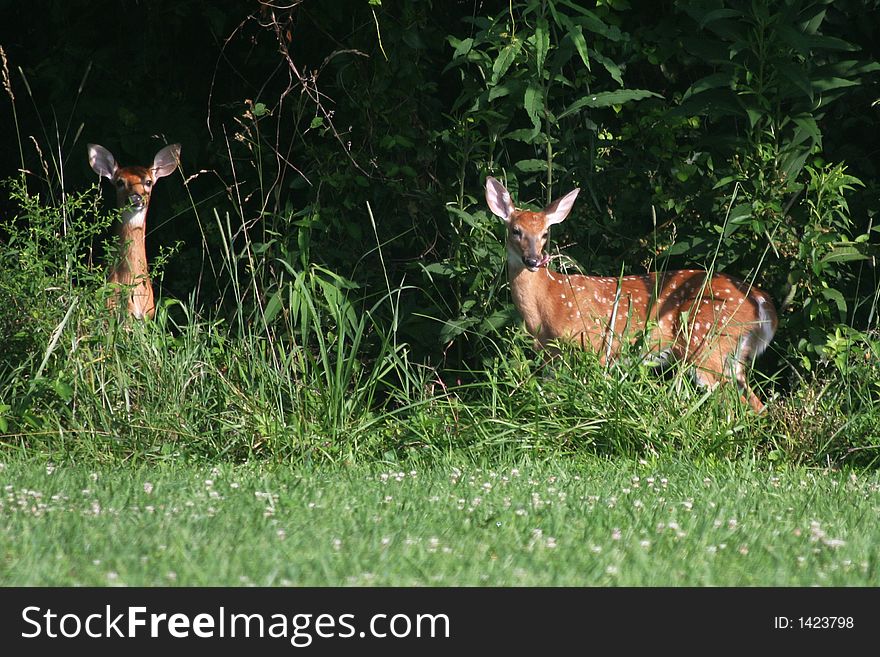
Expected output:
(561, 522)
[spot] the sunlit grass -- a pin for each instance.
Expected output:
(579, 522)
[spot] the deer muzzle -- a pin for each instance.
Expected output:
(534, 263)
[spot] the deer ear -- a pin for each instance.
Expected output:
(557, 211)
(166, 161)
(102, 162)
(498, 199)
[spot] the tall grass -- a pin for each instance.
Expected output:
(302, 364)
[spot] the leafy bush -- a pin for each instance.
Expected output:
(46, 286)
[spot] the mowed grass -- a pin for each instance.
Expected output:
(580, 521)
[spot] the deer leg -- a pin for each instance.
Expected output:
(746, 393)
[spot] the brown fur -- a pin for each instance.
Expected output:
(717, 324)
(134, 186)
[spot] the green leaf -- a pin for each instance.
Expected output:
(462, 47)
(531, 166)
(829, 83)
(713, 81)
(794, 79)
(592, 22)
(739, 216)
(808, 127)
(440, 268)
(273, 306)
(726, 180)
(498, 319)
(533, 103)
(608, 98)
(576, 33)
(754, 115)
(542, 42)
(453, 328)
(794, 39)
(505, 58)
(524, 135)
(833, 295)
(508, 87)
(477, 222)
(63, 390)
(811, 25)
(501, 90)
(792, 161)
(825, 42)
(846, 68)
(734, 31)
(718, 102)
(714, 15)
(844, 254)
(685, 246)
(710, 51)
(610, 65)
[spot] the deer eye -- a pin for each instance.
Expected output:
(148, 183)
(545, 236)
(120, 183)
(516, 232)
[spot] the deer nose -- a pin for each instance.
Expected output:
(533, 263)
(136, 200)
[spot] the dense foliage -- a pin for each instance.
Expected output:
(332, 224)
